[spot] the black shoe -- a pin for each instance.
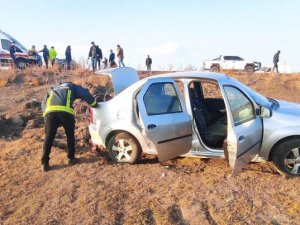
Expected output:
(45, 167)
(73, 161)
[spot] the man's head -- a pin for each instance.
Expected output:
(52, 47)
(148, 56)
(111, 51)
(45, 46)
(118, 46)
(33, 46)
(13, 43)
(278, 51)
(93, 43)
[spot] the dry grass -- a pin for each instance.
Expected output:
(97, 191)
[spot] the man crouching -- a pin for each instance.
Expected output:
(58, 110)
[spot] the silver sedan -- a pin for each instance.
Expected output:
(195, 114)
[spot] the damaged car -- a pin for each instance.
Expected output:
(201, 114)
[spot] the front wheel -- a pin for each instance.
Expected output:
(123, 148)
(249, 69)
(287, 157)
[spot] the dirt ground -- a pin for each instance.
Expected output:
(97, 191)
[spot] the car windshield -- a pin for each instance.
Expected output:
(258, 98)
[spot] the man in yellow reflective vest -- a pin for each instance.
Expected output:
(58, 110)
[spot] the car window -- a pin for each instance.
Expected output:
(241, 107)
(227, 58)
(161, 98)
(5, 44)
(211, 90)
(237, 58)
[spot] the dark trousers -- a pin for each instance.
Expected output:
(99, 63)
(46, 59)
(52, 62)
(52, 121)
(275, 67)
(149, 68)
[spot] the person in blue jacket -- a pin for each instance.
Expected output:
(68, 57)
(12, 51)
(58, 110)
(45, 52)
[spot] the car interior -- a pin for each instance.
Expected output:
(209, 112)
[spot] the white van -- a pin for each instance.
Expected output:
(22, 57)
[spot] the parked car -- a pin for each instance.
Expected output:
(23, 59)
(232, 63)
(195, 114)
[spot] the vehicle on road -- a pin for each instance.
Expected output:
(195, 114)
(231, 63)
(23, 59)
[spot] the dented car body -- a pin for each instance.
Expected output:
(197, 114)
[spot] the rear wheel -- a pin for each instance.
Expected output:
(249, 69)
(215, 68)
(287, 157)
(123, 148)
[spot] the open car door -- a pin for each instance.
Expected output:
(165, 120)
(244, 128)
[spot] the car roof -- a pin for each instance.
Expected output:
(193, 75)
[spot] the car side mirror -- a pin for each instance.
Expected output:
(265, 112)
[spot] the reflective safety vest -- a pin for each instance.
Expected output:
(60, 99)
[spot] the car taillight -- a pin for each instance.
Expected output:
(91, 115)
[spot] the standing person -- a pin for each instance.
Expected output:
(99, 56)
(12, 51)
(148, 63)
(45, 55)
(120, 55)
(52, 54)
(112, 59)
(93, 55)
(32, 51)
(275, 61)
(105, 62)
(68, 57)
(58, 110)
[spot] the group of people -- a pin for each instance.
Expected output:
(95, 54)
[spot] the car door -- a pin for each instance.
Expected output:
(244, 128)
(164, 118)
(238, 63)
(228, 63)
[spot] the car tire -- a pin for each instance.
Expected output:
(249, 69)
(215, 68)
(122, 147)
(21, 63)
(286, 157)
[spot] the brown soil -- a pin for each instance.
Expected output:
(97, 191)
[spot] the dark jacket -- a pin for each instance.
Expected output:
(98, 52)
(12, 50)
(45, 53)
(276, 58)
(68, 55)
(61, 98)
(111, 57)
(148, 61)
(93, 52)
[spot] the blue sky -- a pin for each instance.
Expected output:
(171, 31)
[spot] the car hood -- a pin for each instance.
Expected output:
(288, 108)
(287, 113)
(121, 77)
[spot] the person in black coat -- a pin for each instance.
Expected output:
(148, 63)
(68, 57)
(12, 51)
(275, 61)
(99, 56)
(111, 59)
(45, 52)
